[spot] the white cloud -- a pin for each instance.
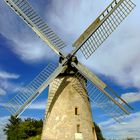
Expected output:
(23, 41)
(74, 16)
(65, 20)
(2, 91)
(119, 56)
(120, 59)
(130, 127)
(38, 105)
(6, 85)
(131, 97)
(7, 75)
(3, 122)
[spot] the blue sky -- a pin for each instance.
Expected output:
(23, 55)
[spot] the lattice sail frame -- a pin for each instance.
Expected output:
(92, 38)
(100, 100)
(103, 26)
(33, 20)
(26, 95)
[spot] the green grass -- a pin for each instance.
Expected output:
(35, 138)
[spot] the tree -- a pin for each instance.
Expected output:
(12, 129)
(98, 132)
(130, 139)
(18, 129)
(32, 127)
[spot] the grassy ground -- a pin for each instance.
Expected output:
(35, 138)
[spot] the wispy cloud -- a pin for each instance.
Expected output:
(23, 41)
(2, 91)
(67, 21)
(131, 97)
(72, 17)
(6, 83)
(38, 105)
(3, 122)
(119, 56)
(7, 75)
(130, 128)
(117, 59)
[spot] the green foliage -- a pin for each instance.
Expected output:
(130, 139)
(12, 129)
(98, 132)
(18, 129)
(38, 137)
(30, 129)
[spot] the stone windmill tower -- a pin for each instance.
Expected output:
(72, 86)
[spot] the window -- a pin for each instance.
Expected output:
(78, 128)
(76, 111)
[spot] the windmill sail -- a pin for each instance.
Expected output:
(98, 92)
(28, 94)
(103, 26)
(101, 100)
(33, 20)
(103, 96)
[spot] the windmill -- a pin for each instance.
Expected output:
(72, 86)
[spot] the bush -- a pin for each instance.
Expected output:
(18, 129)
